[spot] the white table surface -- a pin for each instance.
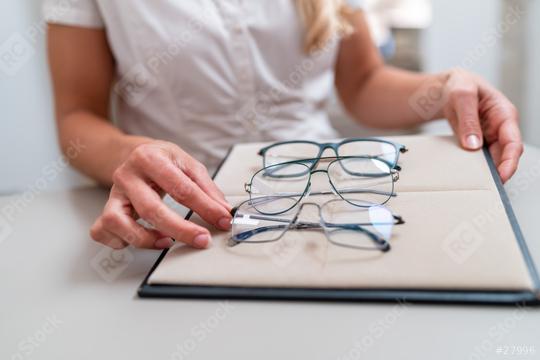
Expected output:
(54, 304)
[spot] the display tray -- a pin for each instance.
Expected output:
(461, 242)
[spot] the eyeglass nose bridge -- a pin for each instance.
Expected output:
(301, 207)
(327, 158)
(319, 171)
(329, 145)
(309, 185)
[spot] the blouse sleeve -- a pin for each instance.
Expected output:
(83, 13)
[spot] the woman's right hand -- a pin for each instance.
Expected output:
(151, 170)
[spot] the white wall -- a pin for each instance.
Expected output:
(531, 112)
(457, 37)
(27, 133)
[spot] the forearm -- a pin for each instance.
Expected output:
(100, 146)
(384, 100)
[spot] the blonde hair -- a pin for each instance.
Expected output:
(323, 19)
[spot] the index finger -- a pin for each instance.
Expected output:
(151, 208)
(199, 175)
(181, 188)
(511, 149)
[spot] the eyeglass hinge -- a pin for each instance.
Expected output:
(247, 187)
(395, 176)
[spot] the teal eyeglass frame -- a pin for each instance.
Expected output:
(399, 148)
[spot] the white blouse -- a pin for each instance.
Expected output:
(207, 74)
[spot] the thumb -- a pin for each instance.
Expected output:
(468, 122)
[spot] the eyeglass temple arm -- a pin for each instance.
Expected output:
(243, 236)
(249, 233)
(355, 191)
(247, 188)
(353, 227)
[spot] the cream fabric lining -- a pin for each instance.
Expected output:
(457, 234)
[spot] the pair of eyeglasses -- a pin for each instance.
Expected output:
(346, 225)
(360, 181)
(383, 150)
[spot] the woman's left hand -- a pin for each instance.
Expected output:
(478, 112)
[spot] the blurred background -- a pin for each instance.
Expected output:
(498, 39)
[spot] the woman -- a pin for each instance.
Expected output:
(187, 79)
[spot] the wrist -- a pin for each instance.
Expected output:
(442, 78)
(120, 147)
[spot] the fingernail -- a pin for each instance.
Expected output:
(164, 243)
(473, 142)
(201, 241)
(224, 223)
